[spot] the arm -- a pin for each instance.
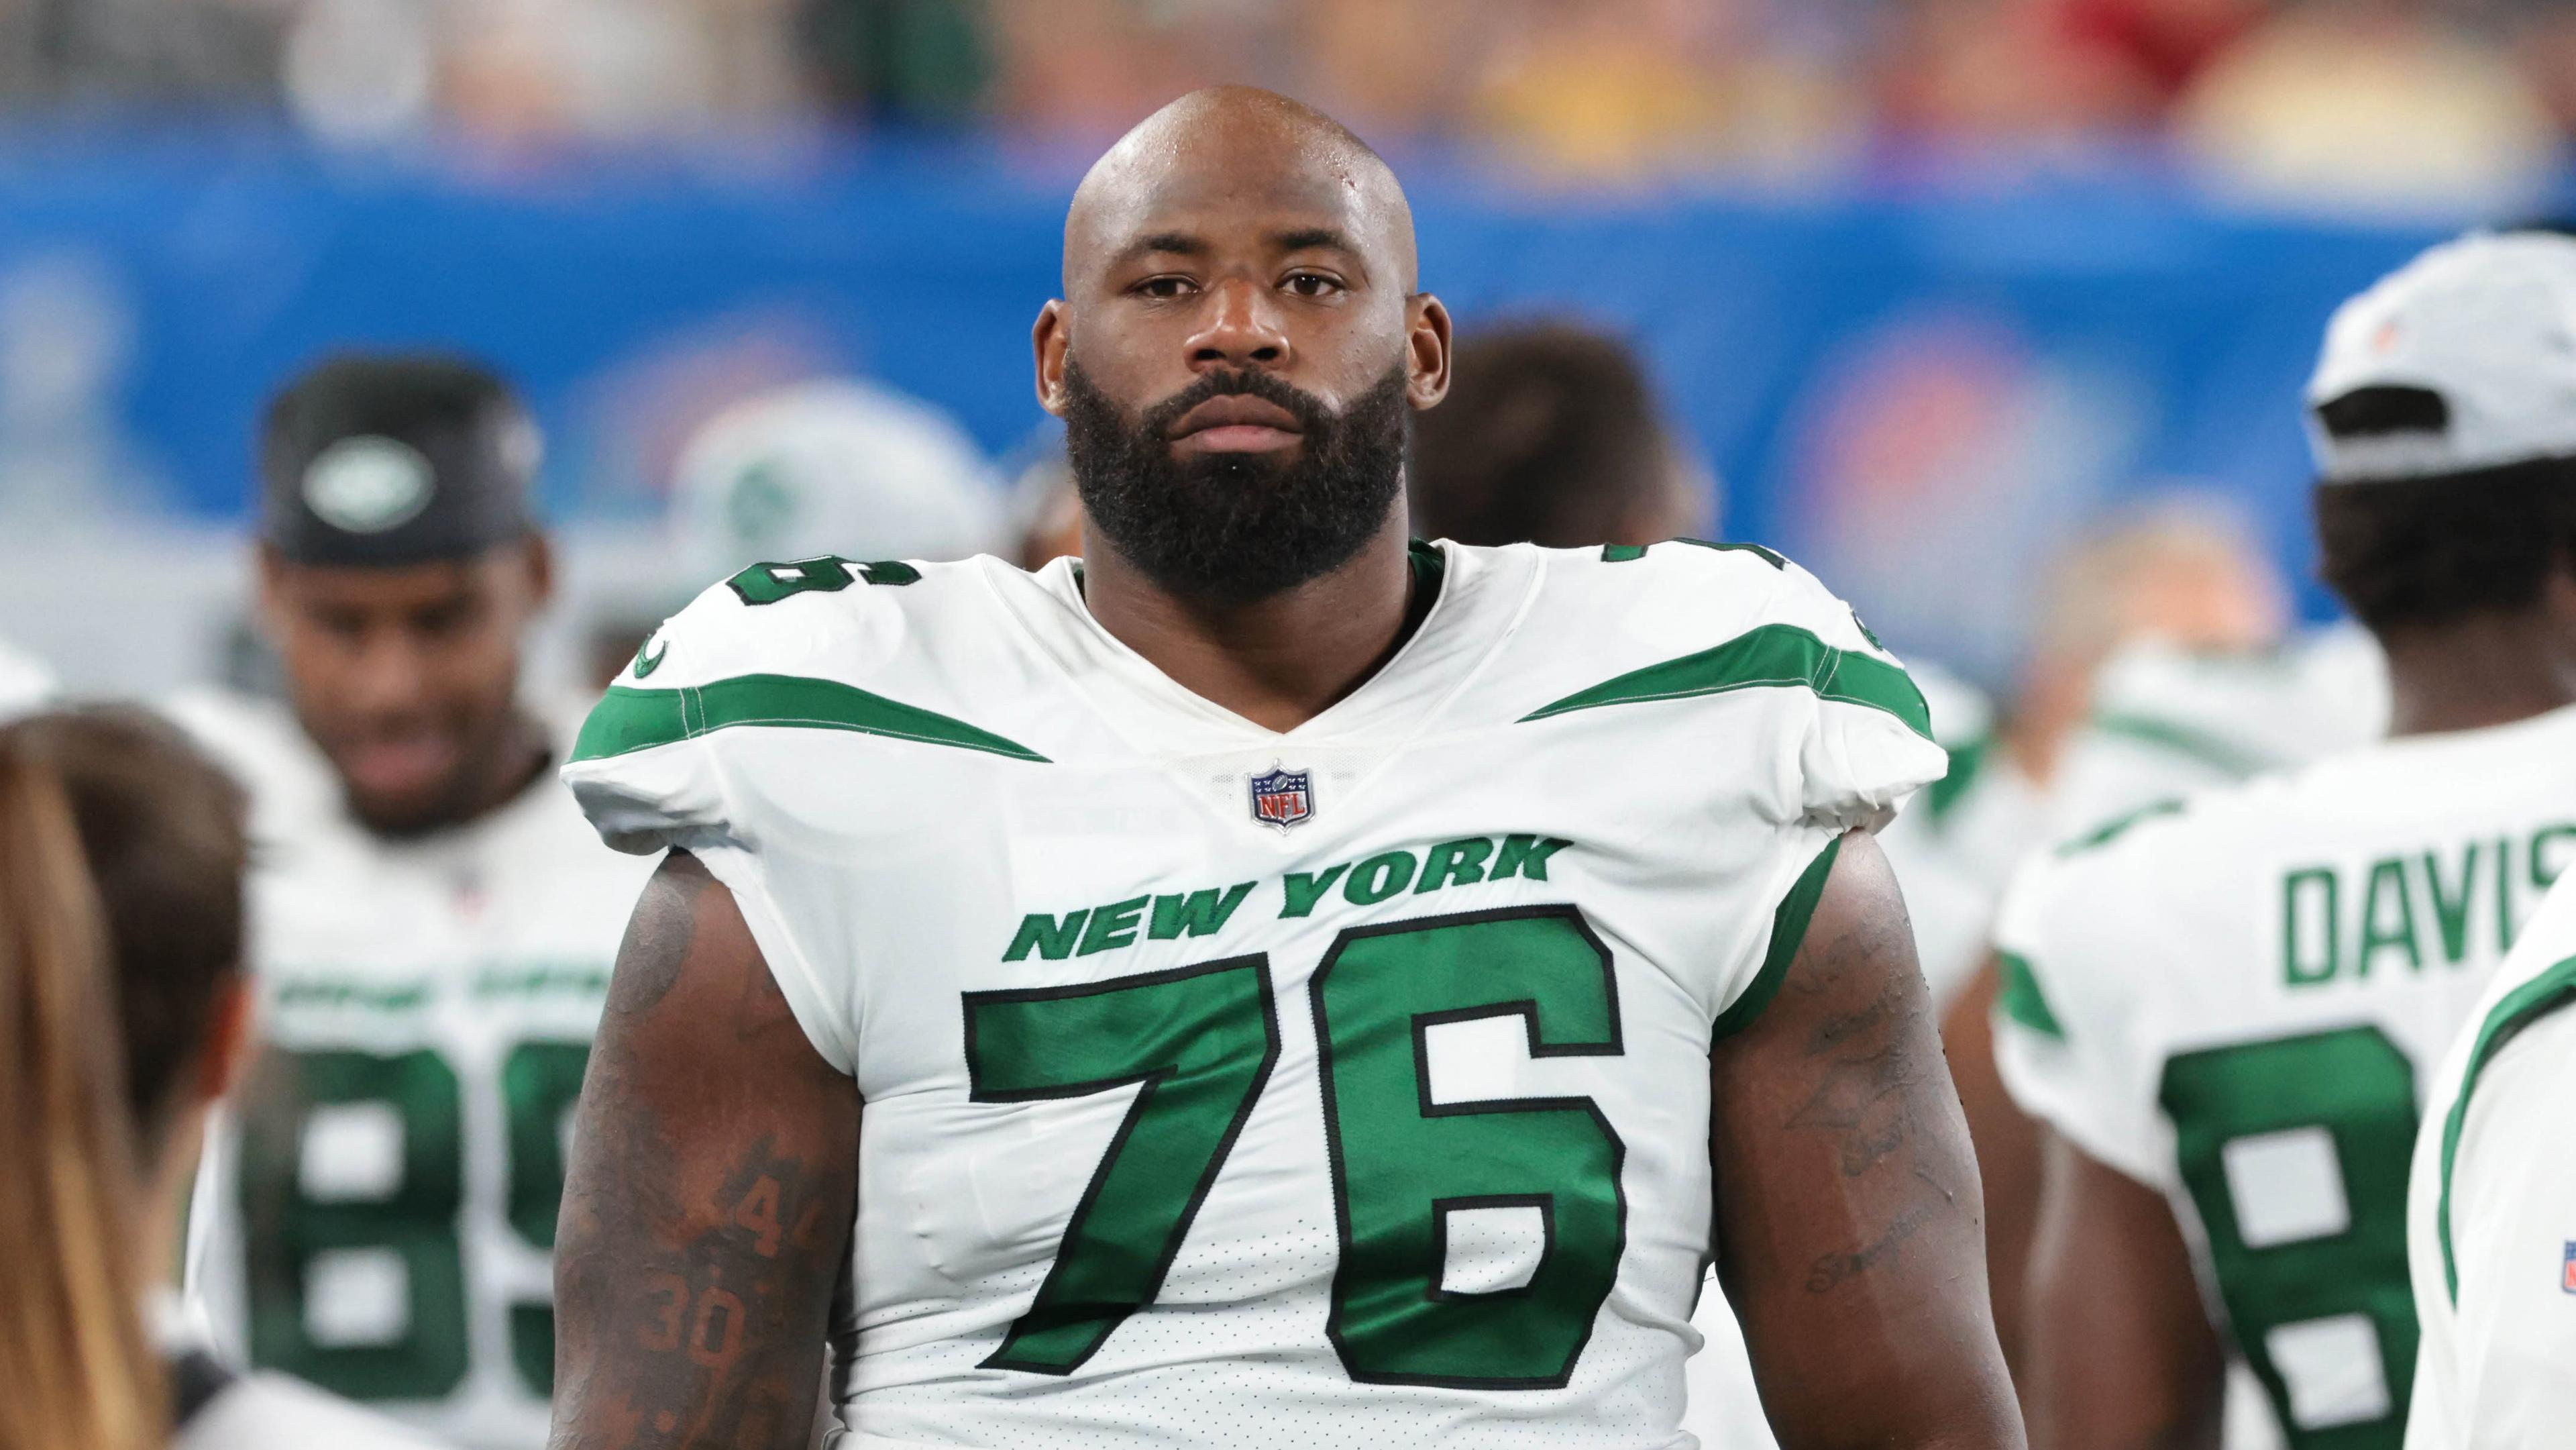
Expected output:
(708, 1205)
(2122, 1356)
(2007, 1145)
(1849, 1232)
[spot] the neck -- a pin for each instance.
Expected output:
(522, 758)
(2488, 670)
(165, 1206)
(1278, 661)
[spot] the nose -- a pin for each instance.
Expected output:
(1242, 329)
(388, 676)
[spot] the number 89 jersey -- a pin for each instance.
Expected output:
(2240, 1002)
(1346, 1085)
(377, 1216)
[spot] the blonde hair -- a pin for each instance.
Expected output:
(77, 1371)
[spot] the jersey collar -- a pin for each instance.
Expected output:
(1482, 594)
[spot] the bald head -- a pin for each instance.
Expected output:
(1238, 143)
(1239, 346)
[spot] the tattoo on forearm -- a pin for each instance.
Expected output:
(688, 1288)
(1869, 1103)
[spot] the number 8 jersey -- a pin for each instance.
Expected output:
(2240, 1002)
(1342, 1085)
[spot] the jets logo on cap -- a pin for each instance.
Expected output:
(368, 484)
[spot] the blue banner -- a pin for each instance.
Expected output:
(1917, 392)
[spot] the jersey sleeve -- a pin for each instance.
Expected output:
(1865, 743)
(1848, 735)
(2067, 1039)
(652, 775)
(2504, 1353)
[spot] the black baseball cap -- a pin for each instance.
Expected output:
(385, 459)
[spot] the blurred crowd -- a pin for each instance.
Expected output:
(2455, 99)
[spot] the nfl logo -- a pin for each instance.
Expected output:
(2567, 1273)
(1283, 798)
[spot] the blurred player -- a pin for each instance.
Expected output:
(2176, 574)
(1298, 982)
(810, 468)
(2167, 722)
(434, 923)
(2492, 1205)
(2225, 1011)
(1550, 435)
(124, 1012)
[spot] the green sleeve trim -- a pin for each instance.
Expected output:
(1768, 556)
(2521, 1007)
(2221, 755)
(630, 719)
(1628, 553)
(2017, 996)
(1965, 761)
(1788, 931)
(1776, 655)
(2118, 826)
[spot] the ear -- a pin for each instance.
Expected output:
(228, 1038)
(1049, 341)
(541, 571)
(272, 591)
(1426, 344)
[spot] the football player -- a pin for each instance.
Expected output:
(2226, 1011)
(433, 922)
(1266, 982)
(2490, 1209)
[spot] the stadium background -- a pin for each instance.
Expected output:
(1926, 281)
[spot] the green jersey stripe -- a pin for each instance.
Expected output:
(629, 719)
(1788, 930)
(2524, 1005)
(2017, 996)
(2223, 756)
(1771, 655)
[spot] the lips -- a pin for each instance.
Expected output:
(1236, 423)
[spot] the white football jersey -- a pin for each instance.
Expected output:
(2491, 1213)
(2239, 1001)
(2167, 721)
(1423, 990)
(272, 1412)
(378, 1215)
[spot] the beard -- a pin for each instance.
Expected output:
(1230, 528)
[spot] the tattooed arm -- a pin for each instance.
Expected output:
(708, 1205)
(1849, 1236)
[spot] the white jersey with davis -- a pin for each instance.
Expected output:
(2491, 1214)
(2239, 1002)
(377, 1214)
(1425, 988)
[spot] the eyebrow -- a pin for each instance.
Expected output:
(1180, 244)
(1309, 238)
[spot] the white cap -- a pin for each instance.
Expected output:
(2487, 323)
(832, 466)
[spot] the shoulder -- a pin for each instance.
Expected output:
(2239, 713)
(888, 648)
(1690, 617)
(271, 1410)
(827, 616)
